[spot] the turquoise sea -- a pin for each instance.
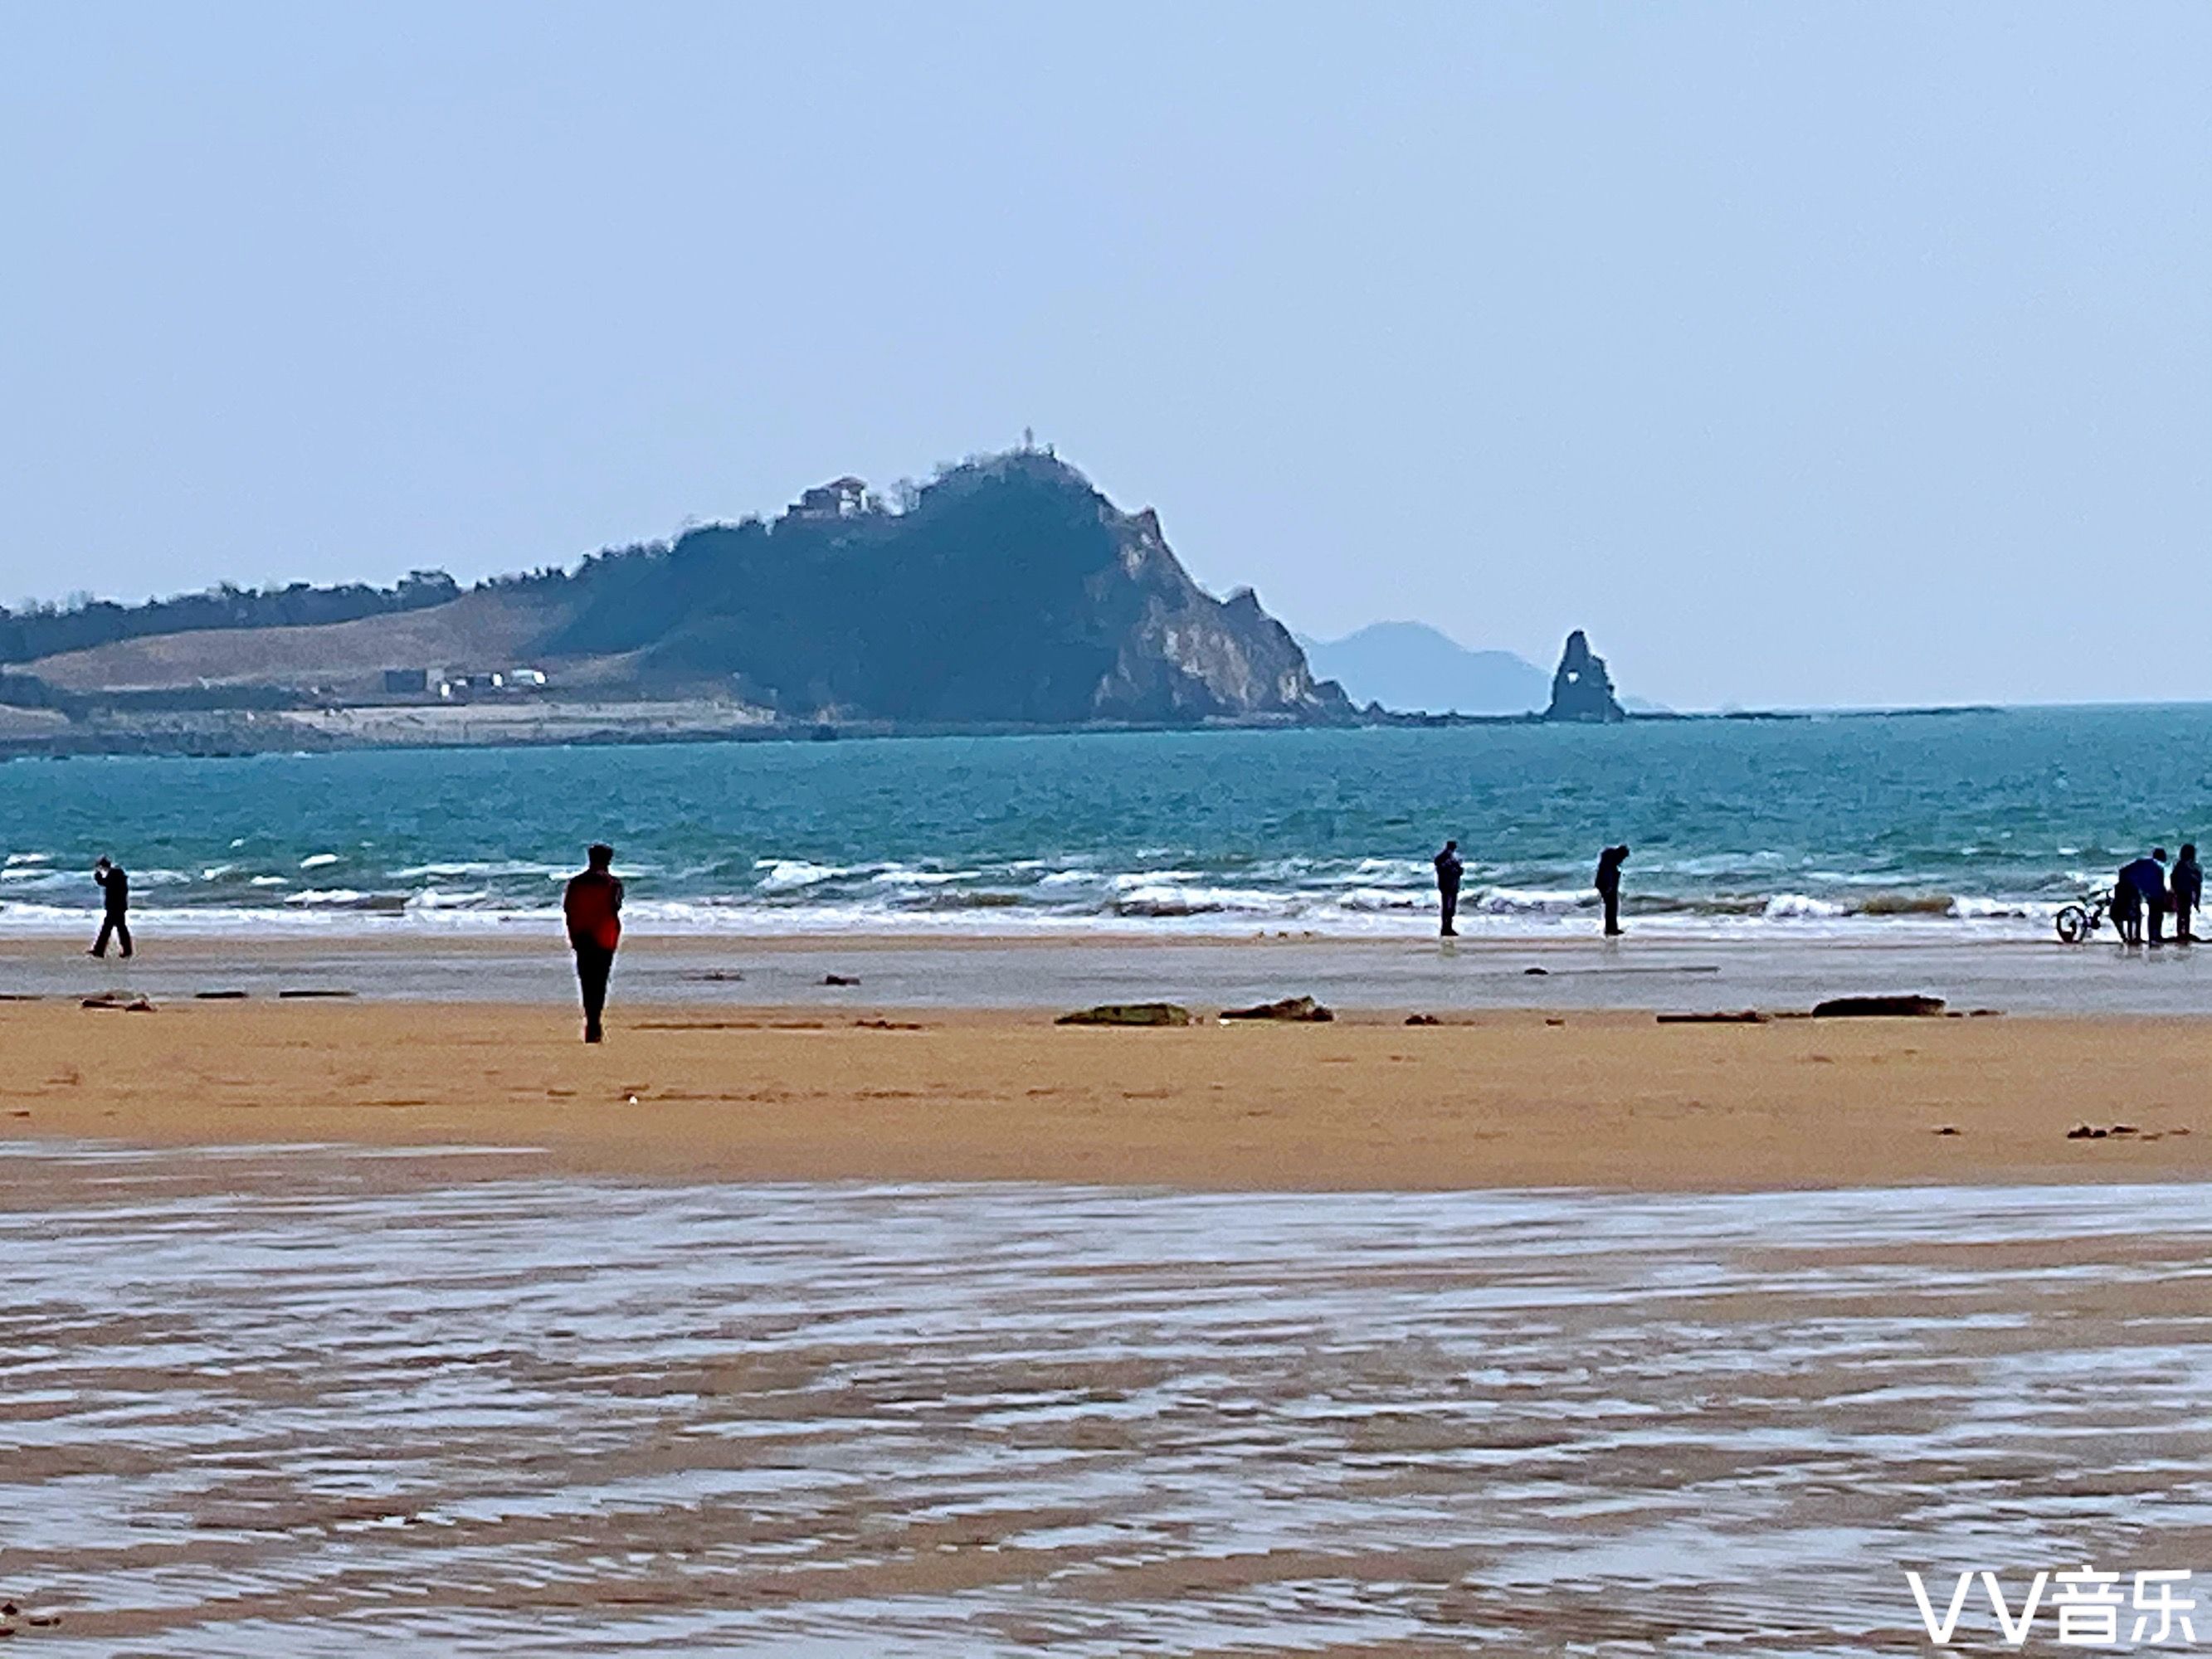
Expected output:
(1982, 820)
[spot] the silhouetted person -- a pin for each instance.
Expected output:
(2148, 876)
(2187, 889)
(592, 906)
(1608, 885)
(2127, 907)
(1449, 868)
(115, 898)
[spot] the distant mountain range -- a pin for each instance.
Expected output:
(1411, 667)
(1417, 668)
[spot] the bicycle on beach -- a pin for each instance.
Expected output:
(2077, 921)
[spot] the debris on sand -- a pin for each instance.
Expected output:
(2085, 1132)
(1947, 1129)
(1128, 1013)
(888, 1025)
(312, 993)
(1302, 1010)
(838, 979)
(218, 996)
(1903, 1006)
(120, 1000)
(1423, 1019)
(1738, 1017)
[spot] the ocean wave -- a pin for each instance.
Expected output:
(1907, 904)
(1527, 900)
(431, 899)
(478, 869)
(347, 898)
(1166, 898)
(1784, 906)
(795, 875)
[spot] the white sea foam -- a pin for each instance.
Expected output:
(1169, 898)
(1526, 900)
(1784, 907)
(431, 899)
(319, 860)
(795, 875)
(480, 867)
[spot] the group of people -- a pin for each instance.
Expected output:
(2147, 892)
(1450, 867)
(591, 907)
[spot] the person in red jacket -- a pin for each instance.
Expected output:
(592, 906)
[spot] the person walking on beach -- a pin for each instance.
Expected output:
(1449, 868)
(2148, 877)
(592, 906)
(2187, 889)
(115, 912)
(1608, 885)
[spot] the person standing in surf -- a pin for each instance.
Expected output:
(2186, 887)
(1608, 885)
(592, 906)
(1449, 868)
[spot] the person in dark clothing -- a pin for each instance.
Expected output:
(1449, 868)
(115, 895)
(2148, 877)
(591, 907)
(2187, 890)
(2127, 907)
(1608, 885)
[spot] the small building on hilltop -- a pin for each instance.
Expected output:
(840, 498)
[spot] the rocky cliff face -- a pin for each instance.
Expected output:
(1184, 655)
(1582, 689)
(1009, 591)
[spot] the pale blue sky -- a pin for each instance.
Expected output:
(1804, 354)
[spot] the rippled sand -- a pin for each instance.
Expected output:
(268, 1403)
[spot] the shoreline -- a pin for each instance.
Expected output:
(1639, 972)
(1602, 1100)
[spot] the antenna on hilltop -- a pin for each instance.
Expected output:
(1028, 439)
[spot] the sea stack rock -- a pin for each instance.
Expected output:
(1582, 689)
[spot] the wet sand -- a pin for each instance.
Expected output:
(524, 963)
(287, 1405)
(1496, 1100)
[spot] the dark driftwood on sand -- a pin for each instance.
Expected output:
(1890, 1006)
(1291, 1008)
(1127, 1013)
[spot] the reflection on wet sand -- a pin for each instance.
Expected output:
(280, 1402)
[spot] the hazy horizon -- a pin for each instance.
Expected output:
(1807, 356)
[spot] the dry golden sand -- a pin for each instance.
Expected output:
(1501, 1100)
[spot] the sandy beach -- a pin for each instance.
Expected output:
(1492, 1100)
